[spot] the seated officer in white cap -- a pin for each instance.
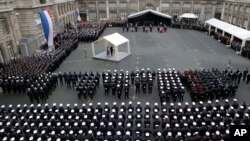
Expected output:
(127, 136)
(147, 108)
(109, 136)
(130, 107)
(80, 135)
(138, 108)
(90, 135)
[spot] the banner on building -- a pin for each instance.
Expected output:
(47, 26)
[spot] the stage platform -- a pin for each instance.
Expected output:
(103, 56)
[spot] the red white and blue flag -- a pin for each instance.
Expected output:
(47, 26)
(79, 19)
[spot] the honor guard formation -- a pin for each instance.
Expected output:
(214, 84)
(202, 85)
(117, 83)
(125, 122)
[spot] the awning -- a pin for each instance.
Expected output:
(235, 31)
(116, 39)
(218, 24)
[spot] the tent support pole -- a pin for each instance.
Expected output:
(116, 53)
(93, 49)
(128, 45)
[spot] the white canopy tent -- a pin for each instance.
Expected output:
(188, 16)
(233, 30)
(116, 40)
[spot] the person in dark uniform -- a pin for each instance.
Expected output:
(248, 78)
(245, 72)
(137, 85)
(29, 93)
(111, 50)
(150, 27)
(119, 91)
(150, 85)
(126, 90)
(132, 75)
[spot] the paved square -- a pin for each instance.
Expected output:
(181, 49)
(103, 56)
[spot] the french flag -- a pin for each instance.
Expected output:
(79, 19)
(47, 26)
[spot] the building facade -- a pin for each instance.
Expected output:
(93, 10)
(237, 12)
(9, 31)
(63, 12)
(20, 24)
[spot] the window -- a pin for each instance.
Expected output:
(62, 11)
(1, 54)
(123, 14)
(236, 7)
(165, 4)
(220, 6)
(248, 9)
(186, 5)
(92, 15)
(149, 7)
(231, 7)
(176, 5)
(123, 5)
(112, 4)
(197, 14)
(197, 5)
(42, 1)
(175, 13)
(133, 5)
(91, 5)
(241, 8)
(234, 20)
(102, 5)
(10, 49)
(208, 6)
(113, 15)
(208, 16)
(102, 15)
(4, 25)
(245, 24)
(59, 10)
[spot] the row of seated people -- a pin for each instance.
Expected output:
(198, 121)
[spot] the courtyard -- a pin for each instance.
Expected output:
(177, 48)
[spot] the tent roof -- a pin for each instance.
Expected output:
(218, 24)
(116, 39)
(236, 31)
(149, 11)
(189, 15)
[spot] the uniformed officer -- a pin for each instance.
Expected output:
(126, 90)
